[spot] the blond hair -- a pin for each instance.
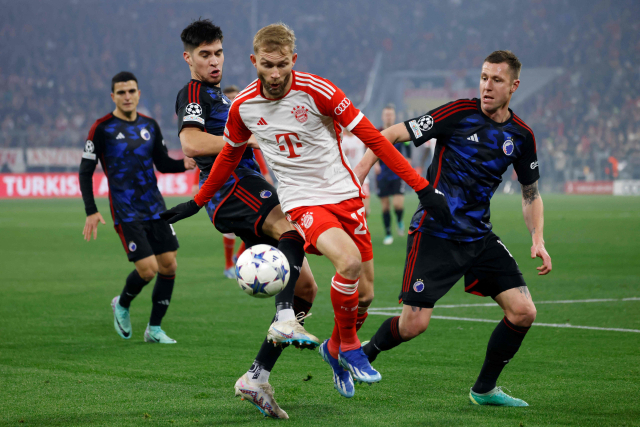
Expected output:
(274, 37)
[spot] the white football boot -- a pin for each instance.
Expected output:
(261, 396)
(155, 334)
(292, 332)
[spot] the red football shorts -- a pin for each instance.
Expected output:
(312, 221)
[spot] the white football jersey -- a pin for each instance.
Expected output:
(299, 135)
(353, 148)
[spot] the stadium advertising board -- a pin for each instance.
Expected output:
(52, 185)
(585, 187)
(626, 188)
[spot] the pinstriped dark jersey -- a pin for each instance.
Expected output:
(207, 108)
(472, 153)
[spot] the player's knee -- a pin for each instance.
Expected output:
(350, 266)
(365, 300)
(413, 327)
(523, 315)
(147, 273)
(169, 268)
(306, 289)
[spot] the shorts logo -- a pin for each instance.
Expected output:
(144, 133)
(415, 128)
(132, 246)
(534, 164)
(307, 219)
(342, 106)
(507, 147)
(193, 109)
(88, 146)
(425, 122)
(300, 113)
(265, 194)
(418, 286)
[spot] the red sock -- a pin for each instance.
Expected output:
(334, 342)
(229, 246)
(344, 298)
(360, 320)
(242, 249)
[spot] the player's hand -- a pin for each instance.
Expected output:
(91, 226)
(189, 163)
(253, 142)
(377, 169)
(538, 251)
(435, 204)
(182, 211)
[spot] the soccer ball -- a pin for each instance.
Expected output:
(262, 271)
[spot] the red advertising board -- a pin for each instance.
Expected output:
(51, 185)
(585, 187)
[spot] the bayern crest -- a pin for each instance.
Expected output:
(507, 147)
(307, 219)
(300, 113)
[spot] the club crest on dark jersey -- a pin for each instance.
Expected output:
(132, 246)
(507, 147)
(144, 133)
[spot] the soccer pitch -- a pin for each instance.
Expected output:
(62, 364)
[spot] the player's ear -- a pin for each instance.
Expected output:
(294, 58)
(112, 97)
(187, 57)
(254, 60)
(515, 85)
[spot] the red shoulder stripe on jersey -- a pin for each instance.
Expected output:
(248, 89)
(189, 88)
(519, 121)
(435, 183)
(451, 106)
(247, 93)
(92, 131)
(457, 110)
(199, 85)
(317, 78)
(144, 115)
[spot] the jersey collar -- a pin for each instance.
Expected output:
(509, 120)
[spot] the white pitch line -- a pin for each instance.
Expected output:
(550, 325)
(493, 304)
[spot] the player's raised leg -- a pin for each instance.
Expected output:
(287, 328)
(365, 292)
(519, 314)
(229, 242)
(144, 272)
(161, 298)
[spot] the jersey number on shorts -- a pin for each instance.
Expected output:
(362, 228)
(287, 143)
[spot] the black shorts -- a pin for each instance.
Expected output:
(142, 239)
(245, 210)
(434, 265)
(388, 188)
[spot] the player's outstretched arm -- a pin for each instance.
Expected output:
(432, 200)
(395, 133)
(91, 226)
(221, 170)
(196, 143)
(533, 212)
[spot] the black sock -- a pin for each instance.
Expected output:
(291, 244)
(386, 220)
(161, 298)
(386, 338)
(132, 288)
(399, 215)
(503, 345)
(301, 305)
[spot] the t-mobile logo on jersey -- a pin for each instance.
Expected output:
(287, 143)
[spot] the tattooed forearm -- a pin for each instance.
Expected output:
(524, 290)
(529, 193)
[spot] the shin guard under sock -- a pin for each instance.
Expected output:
(386, 338)
(503, 345)
(132, 288)
(291, 244)
(344, 298)
(161, 298)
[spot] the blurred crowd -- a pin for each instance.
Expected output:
(58, 59)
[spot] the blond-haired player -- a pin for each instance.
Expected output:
(296, 119)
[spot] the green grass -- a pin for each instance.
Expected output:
(62, 364)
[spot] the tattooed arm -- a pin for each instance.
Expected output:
(532, 210)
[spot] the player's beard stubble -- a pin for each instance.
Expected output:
(277, 92)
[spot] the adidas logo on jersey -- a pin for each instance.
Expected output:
(120, 136)
(262, 122)
(473, 138)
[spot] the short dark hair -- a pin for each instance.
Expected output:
(123, 76)
(500, 56)
(199, 32)
(230, 88)
(390, 106)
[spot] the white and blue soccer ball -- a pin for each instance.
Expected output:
(262, 271)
